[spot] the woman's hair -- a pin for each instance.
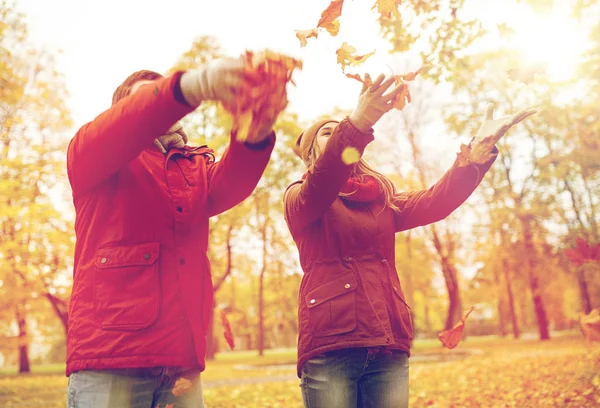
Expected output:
(123, 90)
(362, 169)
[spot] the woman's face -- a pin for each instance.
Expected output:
(324, 134)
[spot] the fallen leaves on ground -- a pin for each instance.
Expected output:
(524, 374)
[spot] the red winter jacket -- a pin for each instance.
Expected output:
(142, 289)
(350, 294)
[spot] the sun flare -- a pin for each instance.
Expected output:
(555, 41)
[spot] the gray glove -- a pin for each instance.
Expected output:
(219, 80)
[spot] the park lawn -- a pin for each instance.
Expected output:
(563, 372)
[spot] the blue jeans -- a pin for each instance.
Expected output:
(136, 388)
(356, 378)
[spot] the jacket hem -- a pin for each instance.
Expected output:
(114, 363)
(403, 345)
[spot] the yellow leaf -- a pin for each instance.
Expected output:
(350, 155)
(304, 35)
(387, 7)
(345, 56)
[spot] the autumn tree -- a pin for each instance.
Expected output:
(35, 245)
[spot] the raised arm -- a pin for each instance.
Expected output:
(439, 201)
(118, 135)
(418, 208)
(233, 178)
(309, 200)
(306, 202)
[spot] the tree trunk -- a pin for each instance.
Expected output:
(24, 366)
(501, 303)
(212, 344)
(454, 305)
(586, 302)
(538, 304)
(511, 299)
(261, 279)
(60, 309)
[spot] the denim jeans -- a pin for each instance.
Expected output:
(136, 388)
(356, 378)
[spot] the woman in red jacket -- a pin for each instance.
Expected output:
(354, 323)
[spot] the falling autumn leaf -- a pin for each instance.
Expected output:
(346, 55)
(263, 95)
(367, 80)
(227, 330)
(505, 31)
(387, 7)
(526, 74)
(590, 325)
(304, 35)
(451, 338)
(329, 17)
(182, 386)
(404, 98)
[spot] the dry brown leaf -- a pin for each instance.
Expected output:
(366, 80)
(387, 7)
(404, 96)
(346, 56)
(451, 338)
(304, 35)
(263, 94)
(182, 386)
(329, 17)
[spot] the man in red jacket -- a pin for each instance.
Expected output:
(142, 290)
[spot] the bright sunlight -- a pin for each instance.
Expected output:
(555, 41)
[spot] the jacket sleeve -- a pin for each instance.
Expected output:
(418, 208)
(307, 201)
(233, 178)
(118, 135)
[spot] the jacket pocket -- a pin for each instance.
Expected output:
(403, 310)
(332, 307)
(126, 286)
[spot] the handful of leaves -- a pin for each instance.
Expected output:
(263, 94)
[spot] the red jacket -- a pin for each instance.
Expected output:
(142, 290)
(350, 294)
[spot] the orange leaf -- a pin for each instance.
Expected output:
(368, 80)
(227, 330)
(450, 338)
(404, 97)
(345, 56)
(330, 15)
(387, 7)
(182, 386)
(304, 35)
(590, 325)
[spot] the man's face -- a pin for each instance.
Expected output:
(138, 85)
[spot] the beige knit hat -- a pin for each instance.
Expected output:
(304, 141)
